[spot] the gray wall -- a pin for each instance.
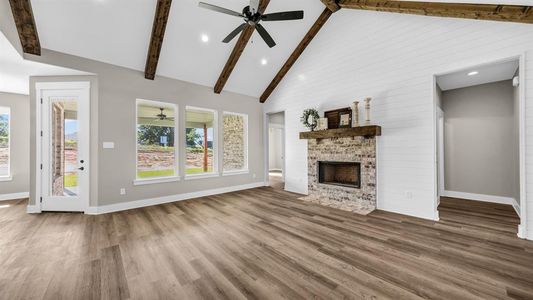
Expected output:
(275, 148)
(275, 140)
(277, 118)
(113, 120)
(480, 153)
(20, 143)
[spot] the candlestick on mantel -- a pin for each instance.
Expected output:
(355, 110)
(367, 107)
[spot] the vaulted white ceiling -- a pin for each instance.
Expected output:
(118, 32)
(15, 72)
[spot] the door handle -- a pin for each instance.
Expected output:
(81, 168)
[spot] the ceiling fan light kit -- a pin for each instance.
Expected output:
(252, 16)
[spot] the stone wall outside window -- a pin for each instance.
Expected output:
(234, 142)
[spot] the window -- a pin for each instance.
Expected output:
(4, 142)
(200, 138)
(235, 143)
(156, 134)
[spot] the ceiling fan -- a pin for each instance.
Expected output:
(252, 16)
(162, 116)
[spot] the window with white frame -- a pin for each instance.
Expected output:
(4, 141)
(200, 140)
(235, 142)
(156, 137)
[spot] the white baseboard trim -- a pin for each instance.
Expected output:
(14, 196)
(98, 210)
(479, 197)
(522, 232)
(33, 209)
(516, 207)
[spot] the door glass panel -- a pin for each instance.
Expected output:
(64, 147)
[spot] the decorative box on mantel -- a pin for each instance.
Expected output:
(342, 168)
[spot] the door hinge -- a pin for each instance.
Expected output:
(41, 166)
(41, 133)
(41, 100)
(41, 198)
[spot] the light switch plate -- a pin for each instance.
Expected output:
(109, 145)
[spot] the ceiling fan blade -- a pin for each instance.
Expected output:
(234, 33)
(265, 35)
(254, 5)
(220, 9)
(284, 16)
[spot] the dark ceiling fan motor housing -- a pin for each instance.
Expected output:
(162, 115)
(252, 16)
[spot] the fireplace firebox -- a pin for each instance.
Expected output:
(347, 174)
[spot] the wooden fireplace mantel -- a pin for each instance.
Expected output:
(366, 131)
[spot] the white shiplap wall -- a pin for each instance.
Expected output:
(392, 58)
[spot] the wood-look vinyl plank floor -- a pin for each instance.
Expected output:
(264, 244)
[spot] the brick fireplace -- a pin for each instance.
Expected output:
(342, 171)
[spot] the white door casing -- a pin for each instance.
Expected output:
(440, 151)
(76, 94)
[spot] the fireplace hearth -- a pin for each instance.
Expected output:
(346, 174)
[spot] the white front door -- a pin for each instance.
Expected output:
(65, 116)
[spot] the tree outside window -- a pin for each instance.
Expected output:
(156, 154)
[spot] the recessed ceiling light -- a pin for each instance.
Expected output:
(205, 38)
(301, 77)
(264, 61)
(473, 73)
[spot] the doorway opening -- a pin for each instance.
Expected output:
(276, 150)
(479, 146)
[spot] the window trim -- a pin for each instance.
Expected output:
(147, 181)
(246, 168)
(9, 176)
(215, 172)
(155, 180)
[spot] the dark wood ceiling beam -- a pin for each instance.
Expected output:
(491, 12)
(156, 41)
(322, 19)
(235, 55)
(25, 22)
(332, 5)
